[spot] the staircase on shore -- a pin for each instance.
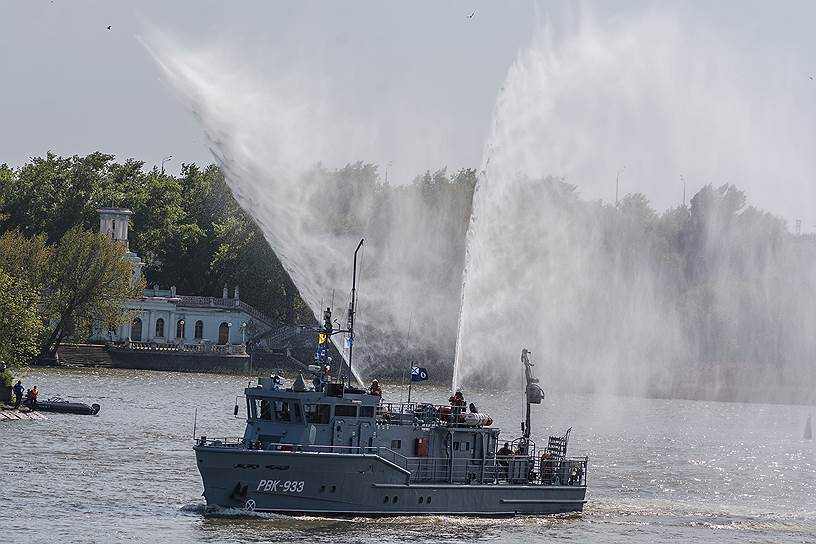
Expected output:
(94, 355)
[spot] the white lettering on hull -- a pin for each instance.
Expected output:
(280, 486)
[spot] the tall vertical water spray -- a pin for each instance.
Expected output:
(586, 285)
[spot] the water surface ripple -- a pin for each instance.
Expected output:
(660, 470)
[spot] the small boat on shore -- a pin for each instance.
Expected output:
(56, 404)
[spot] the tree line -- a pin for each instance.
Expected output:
(188, 230)
(731, 276)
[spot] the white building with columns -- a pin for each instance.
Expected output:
(165, 320)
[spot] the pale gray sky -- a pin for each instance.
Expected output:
(426, 71)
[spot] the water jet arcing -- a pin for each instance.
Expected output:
(269, 138)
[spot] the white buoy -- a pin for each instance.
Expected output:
(809, 429)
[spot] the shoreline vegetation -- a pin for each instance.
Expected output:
(734, 276)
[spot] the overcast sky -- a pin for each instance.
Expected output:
(430, 74)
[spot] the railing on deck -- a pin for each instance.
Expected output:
(424, 414)
(518, 470)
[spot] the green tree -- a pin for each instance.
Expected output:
(20, 321)
(89, 282)
(25, 258)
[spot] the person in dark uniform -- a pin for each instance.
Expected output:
(458, 404)
(375, 389)
(503, 455)
(18, 393)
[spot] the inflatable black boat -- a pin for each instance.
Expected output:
(56, 404)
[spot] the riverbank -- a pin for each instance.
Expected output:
(10, 413)
(102, 356)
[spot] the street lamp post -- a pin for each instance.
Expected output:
(164, 160)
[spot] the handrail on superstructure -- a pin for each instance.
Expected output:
(494, 470)
(422, 414)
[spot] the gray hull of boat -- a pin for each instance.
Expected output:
(320, 483)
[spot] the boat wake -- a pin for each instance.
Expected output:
(219, 512)
(681, 513)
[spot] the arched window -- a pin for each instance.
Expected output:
(180, 329)
(199, 330)
(136, 330)
(160, 328)
(223, 333)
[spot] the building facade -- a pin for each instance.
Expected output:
(166, 320)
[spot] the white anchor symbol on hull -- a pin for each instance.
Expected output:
(250, 505)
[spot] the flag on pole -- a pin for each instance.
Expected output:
(418, 374)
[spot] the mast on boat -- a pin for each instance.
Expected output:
(328, 326)
(532, 394)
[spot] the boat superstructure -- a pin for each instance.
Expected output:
(322, 446)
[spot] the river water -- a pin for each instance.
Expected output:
(660, 470)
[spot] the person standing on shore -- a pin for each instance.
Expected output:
(31, 399)
(18, 393)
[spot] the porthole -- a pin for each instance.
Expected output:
(322, 488)
(333, 488)
(385, 500)
(428, 500)
(421, 500)
(394, 500)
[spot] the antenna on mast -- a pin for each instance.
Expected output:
(351, 310)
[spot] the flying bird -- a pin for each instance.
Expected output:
(471, 15)
(109, 27)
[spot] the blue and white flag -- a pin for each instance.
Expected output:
(418, 374)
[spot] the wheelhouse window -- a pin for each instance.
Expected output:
(260, 409)
(317, 413)
(282, 411)
(286, 411)
(396, 444)
(344, 410)
(366, 411)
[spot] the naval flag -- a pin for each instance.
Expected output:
(418, 374)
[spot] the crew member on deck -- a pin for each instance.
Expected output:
(458, 403)
(276, 382)
(503, 455)
(375, 389)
